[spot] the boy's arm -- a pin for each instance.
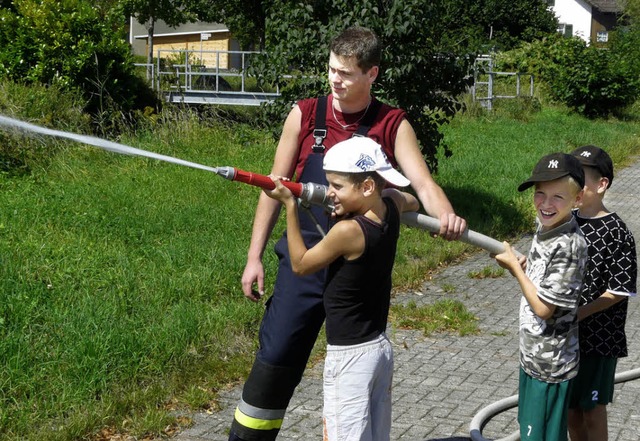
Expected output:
(344, 239)
(622, 268)
(509, 260)
(606, 300)
(404, 201)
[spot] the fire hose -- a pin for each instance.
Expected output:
(315, 194)
(485, 414)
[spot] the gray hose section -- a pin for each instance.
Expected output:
(485, 414)
(431, 224)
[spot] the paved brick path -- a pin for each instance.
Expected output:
(441, 382)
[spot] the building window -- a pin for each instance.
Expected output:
(565, 29)
(602, 37)
(551, 3)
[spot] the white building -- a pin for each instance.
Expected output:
(590, 20)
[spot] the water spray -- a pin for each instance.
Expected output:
(315, 194)
(309, 192)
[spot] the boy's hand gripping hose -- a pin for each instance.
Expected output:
(309, 192)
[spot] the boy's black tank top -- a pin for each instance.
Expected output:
(357, 293)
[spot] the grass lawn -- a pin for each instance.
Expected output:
(119, 276)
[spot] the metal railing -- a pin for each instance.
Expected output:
(209, 77)
(151, 72)
(485, 77)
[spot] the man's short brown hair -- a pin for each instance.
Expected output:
(361, 43)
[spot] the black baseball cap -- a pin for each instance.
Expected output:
(593, 156)
(555, 166)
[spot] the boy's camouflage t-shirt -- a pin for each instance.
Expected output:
(556, 264)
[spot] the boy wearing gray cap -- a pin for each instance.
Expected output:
(359, 252)
(551, 286)
(609, 281)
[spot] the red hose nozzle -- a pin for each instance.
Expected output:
(315, 194)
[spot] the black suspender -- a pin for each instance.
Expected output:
(320, 129)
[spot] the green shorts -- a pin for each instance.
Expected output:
(594, 383)
(542, 409)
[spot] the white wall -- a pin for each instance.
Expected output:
(577, 13)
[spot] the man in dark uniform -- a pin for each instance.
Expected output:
(294, 313)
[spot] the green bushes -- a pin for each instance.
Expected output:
(71, 44)
(588, 79)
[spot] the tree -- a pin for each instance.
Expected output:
(7, 4)
(426, 58)
(632, 11)
(172, 12)
(492, 25)
(245, 19)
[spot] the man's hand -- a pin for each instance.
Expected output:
(451, 226)
(252, 277)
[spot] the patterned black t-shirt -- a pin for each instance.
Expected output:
(612, 267)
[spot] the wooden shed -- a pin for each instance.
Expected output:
(200, 38)
(605, 16)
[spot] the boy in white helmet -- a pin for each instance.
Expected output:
(359, 252)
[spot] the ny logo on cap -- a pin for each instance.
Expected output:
(553, 163)
(586, 154)
(365, 162)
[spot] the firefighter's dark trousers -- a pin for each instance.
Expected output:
(293, 317)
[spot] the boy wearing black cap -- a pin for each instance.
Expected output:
(551, 285)
(609, 281)
(359, 252)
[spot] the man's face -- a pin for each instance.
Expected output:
(347, 80)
